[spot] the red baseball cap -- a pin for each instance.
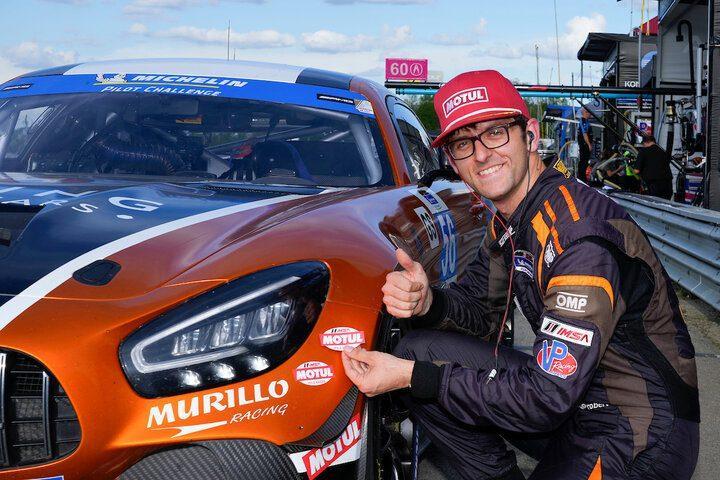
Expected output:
(473, 97)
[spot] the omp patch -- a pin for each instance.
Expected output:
(448, 255)
(338, 338)
(556, 359)
(430, 199)
(549, 254)
(319, 459)
(430, 229)
(565, 331)
(524, 262)
(571, 302)
(313, 373)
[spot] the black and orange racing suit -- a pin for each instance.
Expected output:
(610, 390)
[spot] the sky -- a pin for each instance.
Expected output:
(351, 36)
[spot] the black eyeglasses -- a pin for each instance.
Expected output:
(494, 137)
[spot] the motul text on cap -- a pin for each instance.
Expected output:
(476, 97)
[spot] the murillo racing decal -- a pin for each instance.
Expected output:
(429, 225)
(342, 450)
(565, 331)
(232, 401)
(26, 277)
(338, 338)
(314, 373)
(556, 359)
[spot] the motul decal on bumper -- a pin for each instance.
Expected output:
(344, 449)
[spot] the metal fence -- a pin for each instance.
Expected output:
(686, 238)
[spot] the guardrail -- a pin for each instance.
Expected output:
(686, 238)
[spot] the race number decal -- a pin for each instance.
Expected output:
(429, 227)
(448, 256)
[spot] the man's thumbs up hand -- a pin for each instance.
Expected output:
(407, 292)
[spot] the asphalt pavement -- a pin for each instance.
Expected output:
(704, 325)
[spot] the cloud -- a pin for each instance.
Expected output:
(69, 2)
(328, 41)
(33, 55)
(468, 38)
(576, 31)
(158, 7)
(389, 2)
(256, 39)
(138, 29)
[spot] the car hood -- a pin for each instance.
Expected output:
(46, 226)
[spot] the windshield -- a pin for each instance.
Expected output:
(190, 138)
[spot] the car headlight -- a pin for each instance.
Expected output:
(232, 333)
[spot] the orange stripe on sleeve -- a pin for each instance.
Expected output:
(596, 474)
(570, 203)
(583, 280)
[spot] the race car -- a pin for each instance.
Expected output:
(185, 248)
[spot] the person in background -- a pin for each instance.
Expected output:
(653, 166)
(585, 145)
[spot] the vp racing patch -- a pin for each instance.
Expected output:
(555, 358)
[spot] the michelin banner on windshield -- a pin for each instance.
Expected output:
(280, 92)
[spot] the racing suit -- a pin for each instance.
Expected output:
(610, 390)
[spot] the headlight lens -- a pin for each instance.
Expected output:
(232, 333)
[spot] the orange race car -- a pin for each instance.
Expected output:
(185, 248)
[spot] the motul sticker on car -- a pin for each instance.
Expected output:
(313, 373)
(316, 461)
(337, 338)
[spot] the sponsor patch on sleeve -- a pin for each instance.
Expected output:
(565, 331)
(555, 358)
(571, 302)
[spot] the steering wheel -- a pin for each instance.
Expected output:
(275, 154)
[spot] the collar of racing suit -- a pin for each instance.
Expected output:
(548, 181)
